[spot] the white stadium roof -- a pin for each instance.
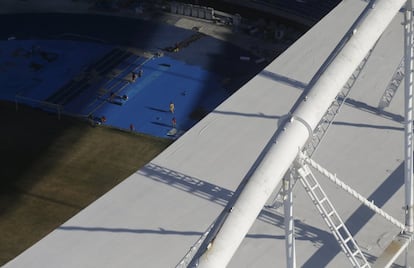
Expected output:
(154, 217)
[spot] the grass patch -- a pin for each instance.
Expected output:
(50, 169)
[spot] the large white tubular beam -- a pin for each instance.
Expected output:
(295, 134)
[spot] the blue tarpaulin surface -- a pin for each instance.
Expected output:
(85, 79)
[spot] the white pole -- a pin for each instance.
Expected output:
(295, 134)
(408, 137)
(289, 221)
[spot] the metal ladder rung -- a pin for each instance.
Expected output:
(359, 253)
(313, 187)
(338, 226)
(330, 214)
(322, 200)
(348, 239)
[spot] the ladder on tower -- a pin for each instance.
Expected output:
(331, 217)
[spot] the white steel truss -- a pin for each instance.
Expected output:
(335, 108)
(392, 86)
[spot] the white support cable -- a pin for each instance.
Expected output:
(351, 191)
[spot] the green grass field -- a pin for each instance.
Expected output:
(51, 169)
